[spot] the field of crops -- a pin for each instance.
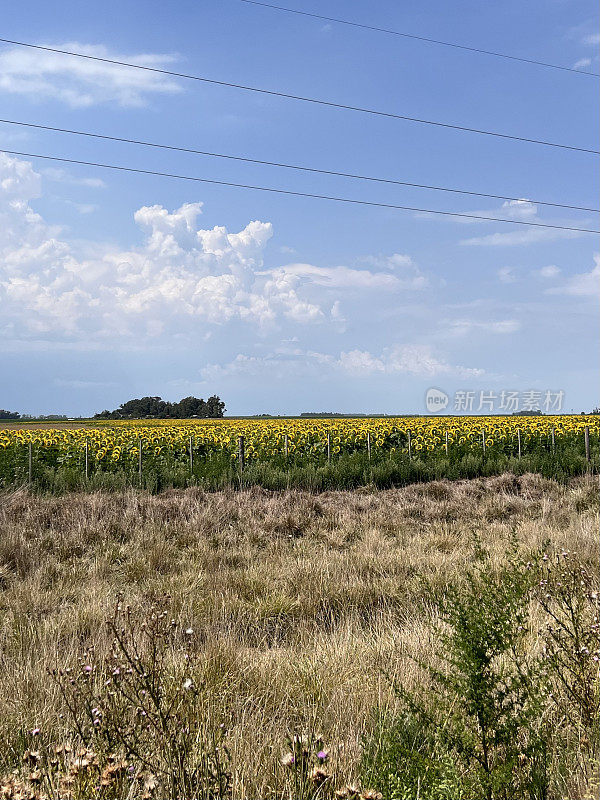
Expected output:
(316, 453)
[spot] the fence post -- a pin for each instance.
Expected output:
(30, 462)
(87, 460)
(519, 442)
(191, 457)
(553, 440)
(286, 446)
(409, 446)
(140, 460)
(241, 453)
(369, 445)
(328, 446)
(483, 441)
(586, 437)
(446, 442)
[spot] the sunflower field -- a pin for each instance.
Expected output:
(278, 452)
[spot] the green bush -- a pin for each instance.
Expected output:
(476, 729)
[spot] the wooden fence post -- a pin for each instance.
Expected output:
(87, 460)
(286, 446)
(369, 445)
(553, 440)
(140, 460)
(30, 462)
(328, 446)
(483, 441)
(586, 438)
(191, 457)
(409, 446)
(446, 442)
(241, 453)
(519, 442)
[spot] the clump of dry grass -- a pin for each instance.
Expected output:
(297, 601)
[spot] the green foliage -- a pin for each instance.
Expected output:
(157, 408)
(408, 762)
(216, 470)
(481, 715)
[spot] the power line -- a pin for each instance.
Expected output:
(292, 166)
(421, 38)
(313, 100)
(297, 194)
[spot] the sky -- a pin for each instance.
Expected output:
(117, 285)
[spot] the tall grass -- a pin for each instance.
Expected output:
(294, 617)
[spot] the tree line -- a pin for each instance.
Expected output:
(157, 408)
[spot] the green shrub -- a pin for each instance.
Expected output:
(476, 729)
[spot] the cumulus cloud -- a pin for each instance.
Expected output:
(180, 280)
(81, 83)
(180, 277)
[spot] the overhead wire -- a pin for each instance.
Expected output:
(305, 99)
(289, 192)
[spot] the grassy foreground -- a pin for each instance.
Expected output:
(255, 644)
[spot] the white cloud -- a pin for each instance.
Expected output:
(180, 278)
(519, 237)
(62, 176)
(467, 327)
(585, 284)
(523, 211)
(519, 209)
(416, 360)
(551, 271)
(335, 277)
(180, 281)
(81, 83)
(592, 39)
(512, 209)
(583, 62)
(392, 273)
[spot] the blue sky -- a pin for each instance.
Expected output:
(114, 286)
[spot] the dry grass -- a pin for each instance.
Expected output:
(298, 601)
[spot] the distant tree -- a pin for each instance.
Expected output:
(9, 414)
(152, 407)
(157, 408)
(190, 407)
(215, 406)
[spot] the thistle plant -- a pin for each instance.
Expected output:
(569, 596)
(142, 701)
